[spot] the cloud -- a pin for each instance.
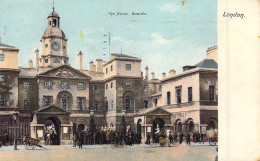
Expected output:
(117, 38)
(170, 7)
(160, 40)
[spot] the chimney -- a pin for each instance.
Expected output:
(80, 61)
(152, 75)
(212, 53)
(30, 63)
(91, 66)
(95, 67)
(146, 73)
(112, 56)
(99, 63)
(37, 58)
(163, 75)
(172, 73)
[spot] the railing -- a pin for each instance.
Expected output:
(193, 103)
(22, 129)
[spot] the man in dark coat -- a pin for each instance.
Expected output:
(148, 139)
(181, 137)
(201, 138)
(197, 136)
(188, 138)
(171, 138)
(102, 137)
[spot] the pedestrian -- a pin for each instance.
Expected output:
(194, 137)
(102, 137)
(198, 136)
(148, 139)
(181, 137)
(80, 141)
(75, 140)
(188, 138)
(171, 138)
(201, 138)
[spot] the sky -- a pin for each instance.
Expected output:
(172, 34)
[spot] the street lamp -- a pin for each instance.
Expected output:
(92, 123)
(123, 124)
(15, 116)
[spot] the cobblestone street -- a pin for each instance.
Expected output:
(105, 152)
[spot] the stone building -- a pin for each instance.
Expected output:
(52, 93)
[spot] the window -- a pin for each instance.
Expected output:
(190, 94)
(2, 99)
(160, 87)
(106, 70)
(2, 57)
(112, 104)
(80, 85)
(111, 85)
(155, 102)
(64, 84)
(26, 84)
(127, 103)
(64, 103)
(145, 103)
(56, 61)
(47, 100)
(111, 67)
(54, 23)
(168, 98)
(106, 86)
(46, 60)
(2, 78)
(47, 84)
(128, 67)
(106, 106)
(146, 87)
(128, 84)
(26, 104)
(95, 87)
(178, 95)
(46, 45)
(64, 47)
(211, 93)
(95, 105)
(80, 103)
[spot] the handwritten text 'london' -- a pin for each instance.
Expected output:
(126, 13)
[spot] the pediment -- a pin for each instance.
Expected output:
(52, 109)
(158, 111)
(64, 71)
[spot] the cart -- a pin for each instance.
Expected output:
(212, 136)
(31, 143)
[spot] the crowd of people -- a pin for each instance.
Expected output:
(90, 137)
(4, 139)
(195, 137)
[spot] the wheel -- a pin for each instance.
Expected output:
(212, 142)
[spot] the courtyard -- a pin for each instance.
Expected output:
(196, 152)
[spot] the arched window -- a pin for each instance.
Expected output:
(191, 126)
(128, 100)
(211, 125)
(179, 126)
(54, 23)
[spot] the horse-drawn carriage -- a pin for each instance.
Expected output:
(31, 143)
(212, 136)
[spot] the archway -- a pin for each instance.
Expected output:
(212, 124)
(190, 124)
(81, 127)
(52, 127)
(138, 128)
(157, 122)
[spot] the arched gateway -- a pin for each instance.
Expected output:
(52, 124)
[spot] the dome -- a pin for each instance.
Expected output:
(54, 31)
(54, 14)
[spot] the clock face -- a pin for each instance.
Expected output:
(55, 46)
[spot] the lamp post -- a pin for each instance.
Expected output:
(92, 123)
(15, 116)
(123, 124)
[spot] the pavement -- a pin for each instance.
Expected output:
(105, 152)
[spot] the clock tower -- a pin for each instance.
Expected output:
(54, 43)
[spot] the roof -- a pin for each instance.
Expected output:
(55, 106)
(5, 46)
(123, 55)
(150, 110)
(207, 63)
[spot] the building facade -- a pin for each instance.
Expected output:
(52, 93)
